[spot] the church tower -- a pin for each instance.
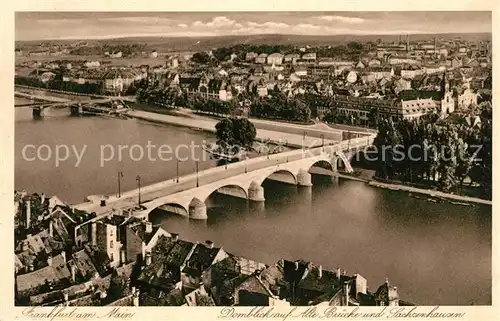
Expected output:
(447, 100)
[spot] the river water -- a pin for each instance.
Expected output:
(435, 253)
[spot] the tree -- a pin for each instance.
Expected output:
(224, 132)
(222, 54)
(201, 58)
(354, 46)
(235, 132)
(244, 132)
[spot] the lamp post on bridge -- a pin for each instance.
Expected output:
(120, 176)
(323, 142)
(197, 180)
(138, 179)
(177, 179)
(304, 141)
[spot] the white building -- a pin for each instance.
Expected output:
(467, 99)
(275, 59)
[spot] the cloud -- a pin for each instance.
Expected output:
(307, 26)
(182, 25)
(343, 19)
(217, 22)
(269, 25)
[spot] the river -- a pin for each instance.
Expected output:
(437, 254)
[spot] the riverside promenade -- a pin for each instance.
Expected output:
(290, 135)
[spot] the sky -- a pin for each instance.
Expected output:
(106, 25)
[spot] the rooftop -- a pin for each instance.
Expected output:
(52, 273)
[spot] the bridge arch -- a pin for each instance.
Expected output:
(170, 207)
(281, 175)
(324, 164)
(234, 190)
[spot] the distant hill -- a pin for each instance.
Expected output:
(165, 44)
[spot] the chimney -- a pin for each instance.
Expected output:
(51, 229)
(42, 198)
(209, 244)
(149, 227)
(63, 254)
(73, 273)
(387, 281)
(28, 213)
(94, 234)
(337, 273)
(148, 258)
(407, 42)
(346, 293)
(175, 236)
(135, 294)
(344, 272)
(320, 272)
(49, 261)
(66, 298)
(122, 257)
(296, 265)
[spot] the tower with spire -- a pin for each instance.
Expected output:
(447, 100)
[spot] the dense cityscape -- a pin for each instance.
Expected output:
(401, 90)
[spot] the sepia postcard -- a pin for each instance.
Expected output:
(265, 162)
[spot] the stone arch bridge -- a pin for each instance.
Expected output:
(244, 179)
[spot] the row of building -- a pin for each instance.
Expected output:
(411, 86)
(75, 258)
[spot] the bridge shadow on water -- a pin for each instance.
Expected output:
(280, 199)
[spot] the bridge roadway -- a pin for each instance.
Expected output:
(242, 179)
(61, 102)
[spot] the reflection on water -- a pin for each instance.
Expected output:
(435, 253)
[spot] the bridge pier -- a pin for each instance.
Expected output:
(37, 112)
(256, 192)
(335, 163)
(304, 178)
(257, 207)
(197, 210)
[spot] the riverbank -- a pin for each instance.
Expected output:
(431, 193)
(368, 177)
(435, 195)
(277, 135)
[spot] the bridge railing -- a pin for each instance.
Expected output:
(214, 174)
(71, 93)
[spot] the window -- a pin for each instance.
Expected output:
(111, 244)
